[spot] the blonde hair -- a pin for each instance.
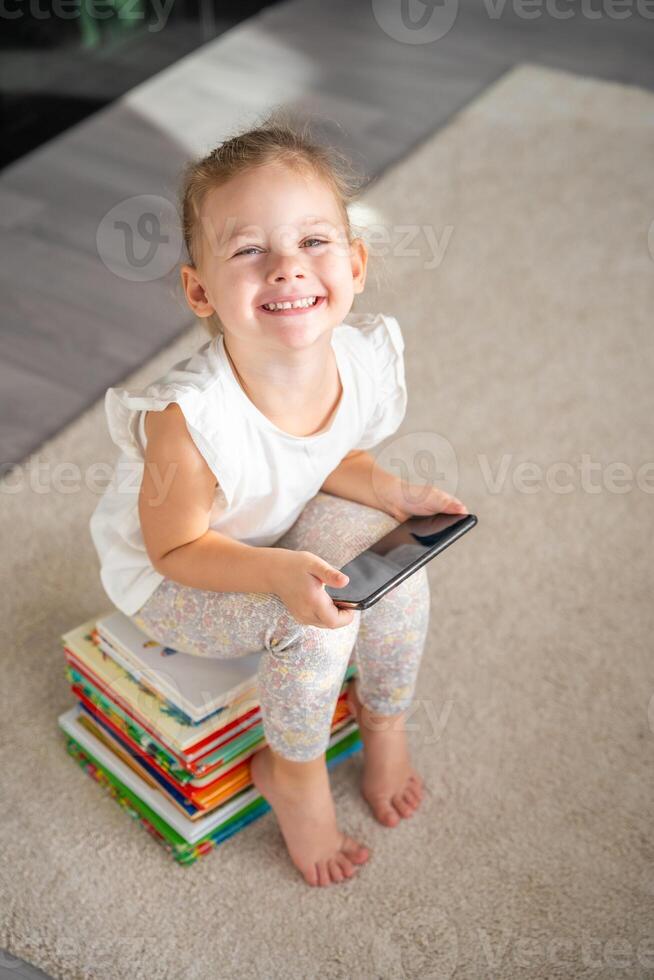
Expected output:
(278, 138)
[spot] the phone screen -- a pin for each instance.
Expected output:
(397, 555)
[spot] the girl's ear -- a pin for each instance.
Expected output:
(359, 259)
(196, 296)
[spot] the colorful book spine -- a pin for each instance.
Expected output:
(182, 851)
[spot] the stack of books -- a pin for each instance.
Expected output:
(170, 735)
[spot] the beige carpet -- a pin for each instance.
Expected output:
(534, 854)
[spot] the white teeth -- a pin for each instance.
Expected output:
(298, 304)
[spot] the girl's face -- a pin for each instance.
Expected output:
(274, 235)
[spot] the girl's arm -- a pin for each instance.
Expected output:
(175, 503)
(358, 477)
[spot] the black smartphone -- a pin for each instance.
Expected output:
(397, 555)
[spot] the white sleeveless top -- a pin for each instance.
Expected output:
(266, 476)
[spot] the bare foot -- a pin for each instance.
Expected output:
(390, 785)
(300, 795)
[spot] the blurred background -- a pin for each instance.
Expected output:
(63, 63)
(103, 100)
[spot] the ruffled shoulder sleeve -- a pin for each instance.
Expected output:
(195, 384)
(383, 350)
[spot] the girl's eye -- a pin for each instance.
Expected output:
(252, 248)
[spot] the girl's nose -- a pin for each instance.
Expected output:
(284, 268)
(287, 278)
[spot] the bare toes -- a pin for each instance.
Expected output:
(311, 875)
(323, 873)
(335, 871)
(409, 802)
(386, 815)
(411, 797)
(345, 865)
(402, 808)
(355, 851)
(416, 785)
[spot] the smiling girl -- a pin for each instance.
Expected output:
(255, 483)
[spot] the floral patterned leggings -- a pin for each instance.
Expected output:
(302, 667)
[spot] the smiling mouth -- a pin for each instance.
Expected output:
(286, 309)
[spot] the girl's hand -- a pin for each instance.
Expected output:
(403, 500)
(298, 578)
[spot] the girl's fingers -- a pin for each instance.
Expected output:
(452, 505)
(436, 502)
(330, 576)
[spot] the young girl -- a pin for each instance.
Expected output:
(254, 484)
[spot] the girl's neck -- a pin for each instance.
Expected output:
(298, 387)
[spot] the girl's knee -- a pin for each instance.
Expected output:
(286, 632)
(291, 634)
(415, 587)
(326, 650)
